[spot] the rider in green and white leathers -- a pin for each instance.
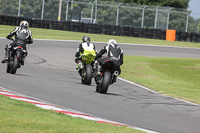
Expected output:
(85, 46)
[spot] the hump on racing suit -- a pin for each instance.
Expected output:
(113, 51)
(22, 36)
(88, 48)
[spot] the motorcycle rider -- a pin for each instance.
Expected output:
(22, 36)
(114, 53)
(84, 46)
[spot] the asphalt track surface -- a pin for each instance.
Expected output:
(49, 74)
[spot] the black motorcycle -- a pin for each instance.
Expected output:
(108, 76)
(16, 57)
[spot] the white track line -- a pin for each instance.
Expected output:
(154, 91)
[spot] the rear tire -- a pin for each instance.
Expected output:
(105, 83)
(88, 76)
(14, 66)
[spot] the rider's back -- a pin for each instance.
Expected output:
(87, 46)
(22, 36)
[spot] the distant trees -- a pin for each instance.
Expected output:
(171, 3)
(107, 14)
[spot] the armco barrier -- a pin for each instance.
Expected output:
(99, 29)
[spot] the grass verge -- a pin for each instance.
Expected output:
(17, 116)
(177, 77)
(67, 35)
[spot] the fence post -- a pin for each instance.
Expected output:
(118, 13)
(187, 21)
(95, 13)
(72, 5)
(67, 6)
(19, 8)
(156, 17)
(142, 26)
(168, 18)
(59, 10)
(92, 11)
(42, 15)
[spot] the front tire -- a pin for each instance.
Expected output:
(88, 76)
(105, 83)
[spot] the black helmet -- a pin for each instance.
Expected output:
(86, 39)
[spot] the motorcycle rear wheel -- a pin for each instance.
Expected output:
(88, 76)
(14, 65)
(105, 83)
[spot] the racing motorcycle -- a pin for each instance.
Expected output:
(87, 72)
(16, 58)
(108, 76)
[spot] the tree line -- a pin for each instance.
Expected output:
(107, 14)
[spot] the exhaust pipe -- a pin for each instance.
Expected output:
(116, 73)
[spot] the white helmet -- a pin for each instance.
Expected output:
(24, 24)
(112, 42)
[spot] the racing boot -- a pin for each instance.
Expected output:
(98, 74)
(25, 53)
(23, 58)
(4, 60)
(22, 62)
(6, 56)
(114, 79)
(80, 67)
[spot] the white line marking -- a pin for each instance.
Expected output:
(155, 91)
(137, 85)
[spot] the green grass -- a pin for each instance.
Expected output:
(66, 35)
(177, 77)
(17, 116)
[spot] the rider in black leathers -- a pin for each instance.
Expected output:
(22, 36)
(114, 53)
